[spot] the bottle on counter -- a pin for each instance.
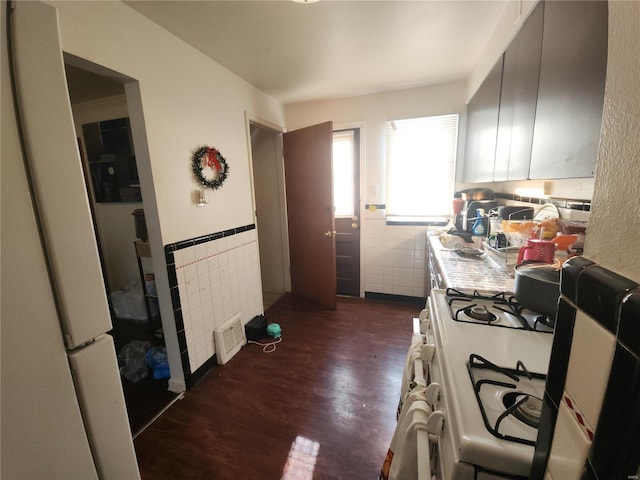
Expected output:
(480, 227)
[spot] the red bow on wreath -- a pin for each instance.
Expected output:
(212, 159)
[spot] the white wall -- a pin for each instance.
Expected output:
(613, 236)
(392, 257)
(178, 100)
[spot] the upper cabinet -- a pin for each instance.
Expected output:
(482, 128)
(547, 103)
(518, 100)
(571, 91)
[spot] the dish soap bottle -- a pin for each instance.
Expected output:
(479, 226)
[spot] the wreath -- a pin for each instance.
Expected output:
(210, 158)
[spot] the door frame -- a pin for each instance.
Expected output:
(277, 130)
(135, 110)
(361, 189)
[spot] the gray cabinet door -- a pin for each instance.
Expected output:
(571, 90)
(482, 128)
(518, 100)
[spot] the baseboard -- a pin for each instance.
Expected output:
(394, 298)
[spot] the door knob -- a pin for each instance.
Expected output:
(354, 225)
(330, 233)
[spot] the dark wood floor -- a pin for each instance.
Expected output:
(334, 380)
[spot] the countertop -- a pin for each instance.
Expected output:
(469, 274)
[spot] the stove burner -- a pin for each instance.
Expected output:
(480, 312)
(519, 405)
(524, 407)
(490, 309)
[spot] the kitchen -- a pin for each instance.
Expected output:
(616, 178)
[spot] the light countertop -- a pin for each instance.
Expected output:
(469, 274)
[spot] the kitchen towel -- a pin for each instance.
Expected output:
(401, 461)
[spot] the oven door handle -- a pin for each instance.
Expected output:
(424, 453)
(435, 423)
(427, 432)
(432, 394)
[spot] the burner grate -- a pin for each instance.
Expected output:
(521, 405)
(473, 306)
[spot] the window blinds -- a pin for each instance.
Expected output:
(421, 155)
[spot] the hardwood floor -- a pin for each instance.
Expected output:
(334, 380)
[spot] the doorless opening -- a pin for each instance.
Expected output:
(101, 118)
(269, 205)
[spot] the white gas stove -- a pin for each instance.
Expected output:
(490, 369)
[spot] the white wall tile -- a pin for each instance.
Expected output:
(178, 258)
(188, 255)
(589, 365)
(215, 280)
(569, 449)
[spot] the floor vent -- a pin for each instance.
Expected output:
(229, 338)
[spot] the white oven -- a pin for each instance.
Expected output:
(482, 380)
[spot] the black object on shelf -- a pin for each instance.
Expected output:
(112, 161)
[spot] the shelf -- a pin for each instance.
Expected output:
(143, 249)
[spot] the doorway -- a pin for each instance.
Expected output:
(346, 200)
(270, 211)
(101, 119)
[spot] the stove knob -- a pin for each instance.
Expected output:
(432, 393)
(424, 314)
(425, 326)
(435, 422)
(426, 352)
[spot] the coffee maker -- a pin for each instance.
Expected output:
(474, 199)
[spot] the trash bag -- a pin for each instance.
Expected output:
(157, 359)
(132, 362)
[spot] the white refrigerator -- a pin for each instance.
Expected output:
(62, 405)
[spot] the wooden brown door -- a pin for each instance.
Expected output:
(308, 180)
(346, 187)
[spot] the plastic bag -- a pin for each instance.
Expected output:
(133, 365)
(156, 358)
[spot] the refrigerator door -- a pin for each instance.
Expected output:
(55, 166)
(97, 378)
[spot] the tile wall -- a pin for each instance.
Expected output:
(212, 278)
(590, 426)
(393, 256)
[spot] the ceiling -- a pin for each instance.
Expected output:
(299, 52)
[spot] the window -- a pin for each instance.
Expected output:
(344, 158)
(421, 154)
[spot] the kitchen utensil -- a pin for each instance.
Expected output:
(510, 212)
(469, 252)
(572, 227)
(517, 231)
(498, 240)
(537, 287)
(458, 204)
(548, 210)
(476, 194)
(536, 250)
(563, 242)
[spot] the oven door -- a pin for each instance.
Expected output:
(445, 459)
(411, 449)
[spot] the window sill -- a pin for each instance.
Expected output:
(417, 221)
